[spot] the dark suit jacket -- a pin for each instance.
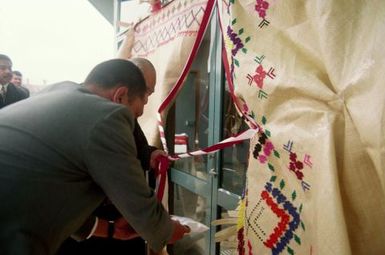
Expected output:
(62, 152)
(13, 95)
(25, 90)
(106, 246)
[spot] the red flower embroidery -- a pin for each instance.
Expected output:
(261, 8)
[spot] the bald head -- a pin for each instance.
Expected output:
(148, 71)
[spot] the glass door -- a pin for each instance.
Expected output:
(204, 188)
(191, 177)
(207, 187)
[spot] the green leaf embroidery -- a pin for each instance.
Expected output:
(290, 250)
(236, 62)
(276, 153)
(247, 39)
(293, 195)
(264, 120)
(267, 132)
(300, 208)
(244, 50)
(297, 239)
(234, 21)
(282, 184)
(302, 225)
(273, 178)
(240, 31)
(271, 167)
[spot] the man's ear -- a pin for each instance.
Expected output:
(120, 94)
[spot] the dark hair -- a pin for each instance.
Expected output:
(17, 73)
(5, 57)
(118, 72)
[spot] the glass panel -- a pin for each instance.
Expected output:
(233, 174)
(188, 204)
(191, 115)
(229, 245)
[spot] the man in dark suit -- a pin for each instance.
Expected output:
(67, 149)
(9, 93)
(107, 211)
(17, 79)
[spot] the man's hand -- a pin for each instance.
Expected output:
(154, 162)
(179, 231)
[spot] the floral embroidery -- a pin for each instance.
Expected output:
(263, 149)
(234, 44)
(260, 75)
(296, 166)
(261, 7)
(237, 42)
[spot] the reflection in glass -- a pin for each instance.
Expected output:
(192, 116)
(234, 158)
(188, 204)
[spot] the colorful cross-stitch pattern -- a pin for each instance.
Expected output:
(273, 202)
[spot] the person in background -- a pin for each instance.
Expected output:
(67, 149)
(17, 79)
(147, 155)
(9, 93)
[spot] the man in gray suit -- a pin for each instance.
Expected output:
(63, 151)
(105, 243)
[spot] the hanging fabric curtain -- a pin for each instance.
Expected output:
(170, 39)
(312, 74)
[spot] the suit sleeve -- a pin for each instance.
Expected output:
(144, 150)
(85, 230)
(112, 163)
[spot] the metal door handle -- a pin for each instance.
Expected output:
(213, 172)
(213, 159)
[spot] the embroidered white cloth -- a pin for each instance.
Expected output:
(312, 74)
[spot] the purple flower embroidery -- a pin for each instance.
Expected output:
(236, 41)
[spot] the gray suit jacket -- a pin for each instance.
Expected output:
(61, 153)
